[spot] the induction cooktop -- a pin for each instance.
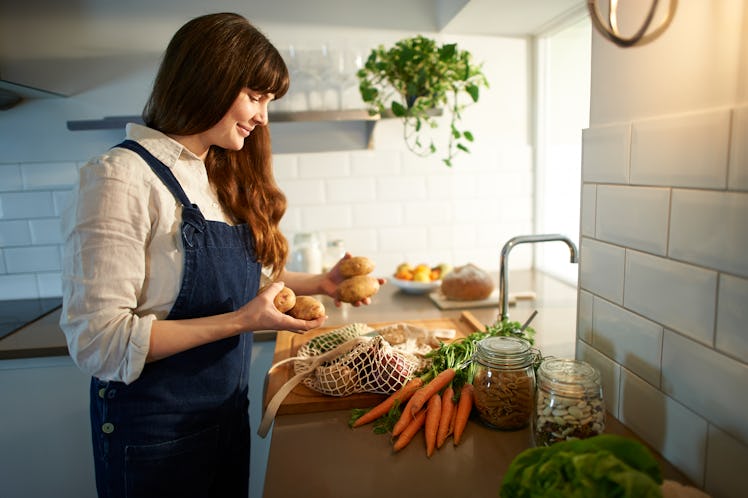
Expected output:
(16, 313)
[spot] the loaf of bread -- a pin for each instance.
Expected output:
(467, 283)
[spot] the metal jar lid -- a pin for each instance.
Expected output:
(568, 377)
(504, 352)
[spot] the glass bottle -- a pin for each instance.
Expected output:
(504, 382)
(306, 255)
(568, 403)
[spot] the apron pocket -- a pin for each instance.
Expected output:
(172, 468)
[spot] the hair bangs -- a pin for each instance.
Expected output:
(269, 75)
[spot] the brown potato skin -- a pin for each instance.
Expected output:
(356, 265)
(307, 308)
(285, 300)
(357, 288)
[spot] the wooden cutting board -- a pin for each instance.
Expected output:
(304, 400)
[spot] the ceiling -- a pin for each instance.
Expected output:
(42, 41)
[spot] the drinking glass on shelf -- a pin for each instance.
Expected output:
(347, 62)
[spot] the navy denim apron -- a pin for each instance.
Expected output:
(182, 428)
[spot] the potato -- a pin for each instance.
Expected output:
(357, 265)
(356, 288)
(307, 308)
(285, 300)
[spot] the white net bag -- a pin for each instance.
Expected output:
(343, 362)
(372, 366)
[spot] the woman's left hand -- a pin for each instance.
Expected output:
(332, 279)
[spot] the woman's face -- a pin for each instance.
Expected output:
(250, 109)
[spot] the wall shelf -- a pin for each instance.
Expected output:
(293, 131)
(119, 122)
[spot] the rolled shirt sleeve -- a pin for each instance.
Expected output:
(122, 252)
(106, 232)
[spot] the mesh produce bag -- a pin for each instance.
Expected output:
(343, 362)
(372, 366)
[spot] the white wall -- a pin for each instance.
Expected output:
(664, 273)
(563, 108)
(384, 202)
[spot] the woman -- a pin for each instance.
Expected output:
(164, 248)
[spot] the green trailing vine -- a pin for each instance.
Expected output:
(417, 77)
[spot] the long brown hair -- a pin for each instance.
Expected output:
(207, 63)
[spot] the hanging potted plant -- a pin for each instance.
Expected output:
(417, 80)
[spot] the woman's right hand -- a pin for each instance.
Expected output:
(261, 314)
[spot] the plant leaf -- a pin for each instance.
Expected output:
(398, 109)
(473, 91)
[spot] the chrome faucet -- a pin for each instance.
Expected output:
(503, 270)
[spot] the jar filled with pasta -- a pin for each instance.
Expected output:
(504, 382)
(569, 402)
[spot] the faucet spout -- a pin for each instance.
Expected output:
(503, 267)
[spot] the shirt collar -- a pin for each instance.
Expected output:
(164, 148)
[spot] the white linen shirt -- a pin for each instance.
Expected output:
(123, 252)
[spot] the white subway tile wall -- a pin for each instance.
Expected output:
(738, 174)
(726, 457)
(589, 205)
(584, 316)
(605, 154)
(731, 336)
(387, 204)
(632, 341)
(687, 150)
(711, 384)
(610, 374)
(700, 219)
(663, 421)
(642, 225)
(603, 268)
(663, 298)
(675, 294)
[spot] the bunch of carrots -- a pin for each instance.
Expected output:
(439, 400)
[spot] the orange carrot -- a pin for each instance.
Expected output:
(464, 407)
(452, 422)
(403, 394)
(433, 414)
(445, 418)
(405, 418)
(410, 431)
(423, 395)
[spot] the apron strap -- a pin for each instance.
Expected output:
(161, 170)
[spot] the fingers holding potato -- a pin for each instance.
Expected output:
(357, 288)
(285, 300)
(307, 308)
(355, 266)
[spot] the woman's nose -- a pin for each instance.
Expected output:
(261, 118)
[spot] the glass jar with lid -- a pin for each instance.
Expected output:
(504, 382)
(568, 402)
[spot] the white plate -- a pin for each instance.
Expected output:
(411, 287)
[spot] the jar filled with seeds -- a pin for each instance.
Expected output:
(504, 382)
(568, 402)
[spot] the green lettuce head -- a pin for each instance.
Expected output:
(605, 465)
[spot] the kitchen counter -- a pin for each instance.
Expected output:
(318, 455)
